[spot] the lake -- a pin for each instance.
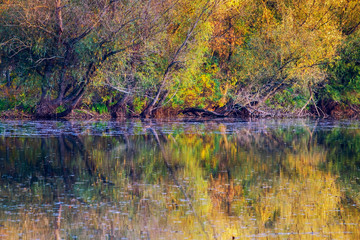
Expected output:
(265, 179)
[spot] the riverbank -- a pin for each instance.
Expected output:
(335, 112)
(78, 114)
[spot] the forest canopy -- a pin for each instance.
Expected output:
(148, 58)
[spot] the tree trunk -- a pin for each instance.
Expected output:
(148, 111)
(8, 78)
(47, 108)
(119, 111)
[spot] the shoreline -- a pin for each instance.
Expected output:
(84, 115)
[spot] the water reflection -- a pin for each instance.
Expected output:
(209, 180)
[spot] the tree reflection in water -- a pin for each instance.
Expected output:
(205, 181)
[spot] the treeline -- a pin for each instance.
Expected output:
(146, 57)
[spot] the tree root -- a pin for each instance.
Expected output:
(235, 111)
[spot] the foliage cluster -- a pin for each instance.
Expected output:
(142, 56)
(344, 73)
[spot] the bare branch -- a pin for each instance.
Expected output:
(92, 27)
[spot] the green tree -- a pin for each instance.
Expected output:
(63, 45)
(343, 85)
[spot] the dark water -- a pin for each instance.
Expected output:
(289, 179)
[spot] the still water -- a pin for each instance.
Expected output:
(269, 179)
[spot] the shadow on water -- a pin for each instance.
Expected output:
(194, 180)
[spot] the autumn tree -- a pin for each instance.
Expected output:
(62, 44)
(292, 41)
(186, 36)
(347, 14)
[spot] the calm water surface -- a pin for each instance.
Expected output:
(288, 179)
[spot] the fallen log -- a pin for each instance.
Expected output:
(233, 112)
(199, 112)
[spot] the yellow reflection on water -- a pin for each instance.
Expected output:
(244, 185)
